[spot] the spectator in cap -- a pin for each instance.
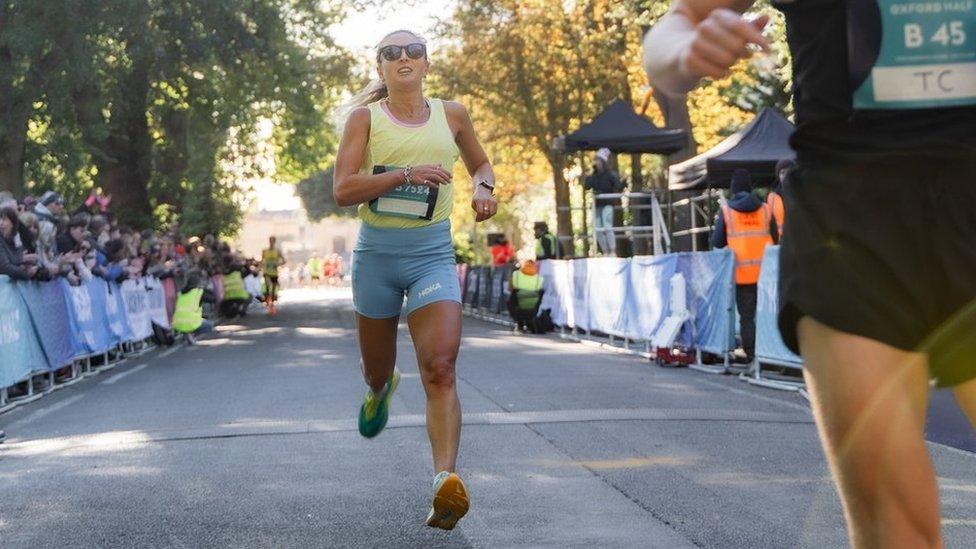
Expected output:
(48, 208)
(604, 180)
(745, 225)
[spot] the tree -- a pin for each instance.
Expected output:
(33, 38)
(151, 99)
(316, 194)
(534, 70)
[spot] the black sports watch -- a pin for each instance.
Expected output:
(484, 183)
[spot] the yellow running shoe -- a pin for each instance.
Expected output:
(450, 501)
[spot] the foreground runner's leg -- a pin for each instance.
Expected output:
(436, 333)
(869, 401)
(377, 346)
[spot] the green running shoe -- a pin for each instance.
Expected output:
(376, 408)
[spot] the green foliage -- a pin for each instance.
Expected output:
(160, 101)
(463, 249)
(316, 194)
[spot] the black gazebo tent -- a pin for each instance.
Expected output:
(621, 130)
(756, 147)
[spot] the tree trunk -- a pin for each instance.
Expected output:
(12, 149)
(125, 170)
(675, 111)
(564, 219)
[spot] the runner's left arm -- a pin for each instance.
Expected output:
(475, 159)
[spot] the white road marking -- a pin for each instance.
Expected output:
(48, 410)
(119, 376)
(168, 352)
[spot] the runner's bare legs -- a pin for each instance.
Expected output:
(869, 401)
(377, 346)
(436, 332)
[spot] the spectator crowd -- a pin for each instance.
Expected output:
(42, 240)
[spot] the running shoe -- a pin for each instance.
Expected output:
(450, 501)
(376, 408)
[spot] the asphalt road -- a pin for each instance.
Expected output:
(249, 440)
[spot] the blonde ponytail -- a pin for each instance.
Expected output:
(373, 92)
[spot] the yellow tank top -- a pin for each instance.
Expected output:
(270, 259)
(393, 145)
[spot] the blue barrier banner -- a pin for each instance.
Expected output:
(769, 341)
(498, 284)
(156, 301)
(484, 288)
(50, 316)
(650, 294)
(607, 295)
(136, 300)
(471, 286)
(89, 319)
(710, 287)
(20, 352)
(118, 324)
(579, 313)
(558, 296)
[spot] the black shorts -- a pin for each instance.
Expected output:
(885, 247)
(272, 280)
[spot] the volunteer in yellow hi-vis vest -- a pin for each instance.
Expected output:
(236, 298)
(396, 161)
(745, 225)
(188, 313)
(526, 292)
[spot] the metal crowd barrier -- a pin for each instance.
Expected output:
(42, 378)
(484, 298)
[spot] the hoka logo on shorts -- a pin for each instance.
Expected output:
(429, 290)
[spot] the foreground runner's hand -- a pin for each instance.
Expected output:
(484, 204)
(719, 41)
(430, 175)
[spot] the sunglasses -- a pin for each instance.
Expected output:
(393, 52)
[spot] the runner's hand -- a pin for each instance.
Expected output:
(484, 204)
(721, 40)
(430, 176)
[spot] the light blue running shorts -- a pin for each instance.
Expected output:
(390, 263)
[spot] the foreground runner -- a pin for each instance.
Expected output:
(271, 259)
(877, 284)
(395, 160)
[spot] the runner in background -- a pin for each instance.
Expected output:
(271, 259)
(876, 277)
(315, 270)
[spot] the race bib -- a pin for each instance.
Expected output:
(410, 201)
(912, 54)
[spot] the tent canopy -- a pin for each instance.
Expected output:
(756, 148)
(621, 130)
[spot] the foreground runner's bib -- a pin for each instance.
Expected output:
(907, 54)
(410, 201)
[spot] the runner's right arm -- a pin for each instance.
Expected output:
(351, 187)
(698, 39)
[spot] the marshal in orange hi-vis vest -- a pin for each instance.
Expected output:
(748, 235)
(775, 203)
